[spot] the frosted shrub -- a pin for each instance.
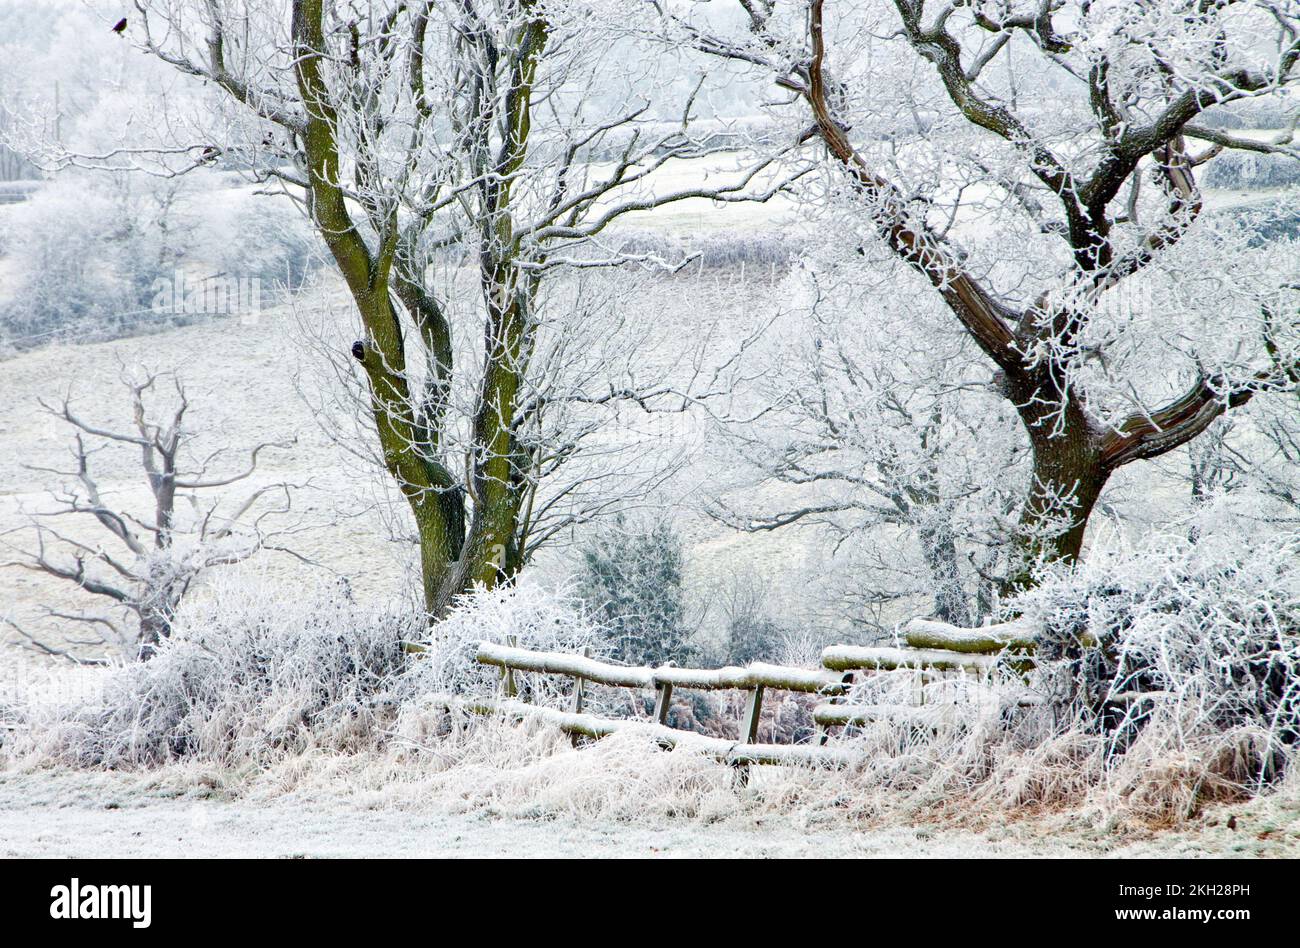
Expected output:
(90, 254)
(254, 671)
(254, 237)
(775, 251)
(632, 579)
(445, 671)
(531, 616)
(754, 638)
(1250, 171)
(1251, 113)
(250, 672)
(1201, 639)
(83, 258)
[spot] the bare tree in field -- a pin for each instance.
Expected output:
(885, 437)
(501, 133)
(1035, 162)
(143, 562)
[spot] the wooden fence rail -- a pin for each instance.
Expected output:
(848, 657)
(730, 752)
(756, 679)
(963, 651)
(777, 677)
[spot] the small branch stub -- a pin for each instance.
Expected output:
(580, 685)
(508, 688)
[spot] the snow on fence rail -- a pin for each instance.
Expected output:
(630, 676)
(1017, 636)
(930, 633)
(975, 651)
(847, 657)
(931, 647)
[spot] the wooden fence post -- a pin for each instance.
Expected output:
(663, 698)
(821, 732)
(749, 735)
(507, 673)
(579, 693)
(580, 685)
(749, 730)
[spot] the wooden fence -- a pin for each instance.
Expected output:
(931, 648)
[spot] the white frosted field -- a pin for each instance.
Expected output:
(56, 814)
(252, 380)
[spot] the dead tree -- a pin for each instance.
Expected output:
(142, 562)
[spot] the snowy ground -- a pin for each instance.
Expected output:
(54, 814)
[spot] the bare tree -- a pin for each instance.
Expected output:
(150, 559)
(883, 435)
(1243, 475)
(490, 130)
(1056, 152)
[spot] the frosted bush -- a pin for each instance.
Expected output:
(1245, 170)
(774, 251)
(1251, 113)
(83, 258)
(256, 237)
(1196, 640)
(527, 614)
(254, 671)
(249, 673)
(755, 638)
(632, 576)
(89, 255)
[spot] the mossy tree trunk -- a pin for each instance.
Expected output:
(468, 528)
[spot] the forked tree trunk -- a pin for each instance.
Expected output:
(452, 557)
(1067, 476)
(1073, 455)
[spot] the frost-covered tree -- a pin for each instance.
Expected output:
(752, 633)
(885, 435)
(1035, 163)
(1243, 475)
(507, 134)
(140, 559)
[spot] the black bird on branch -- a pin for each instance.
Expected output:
(120, 26)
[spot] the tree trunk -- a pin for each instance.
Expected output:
(939, 548)
(490, 552)
(155, 621)
(1067, 478)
